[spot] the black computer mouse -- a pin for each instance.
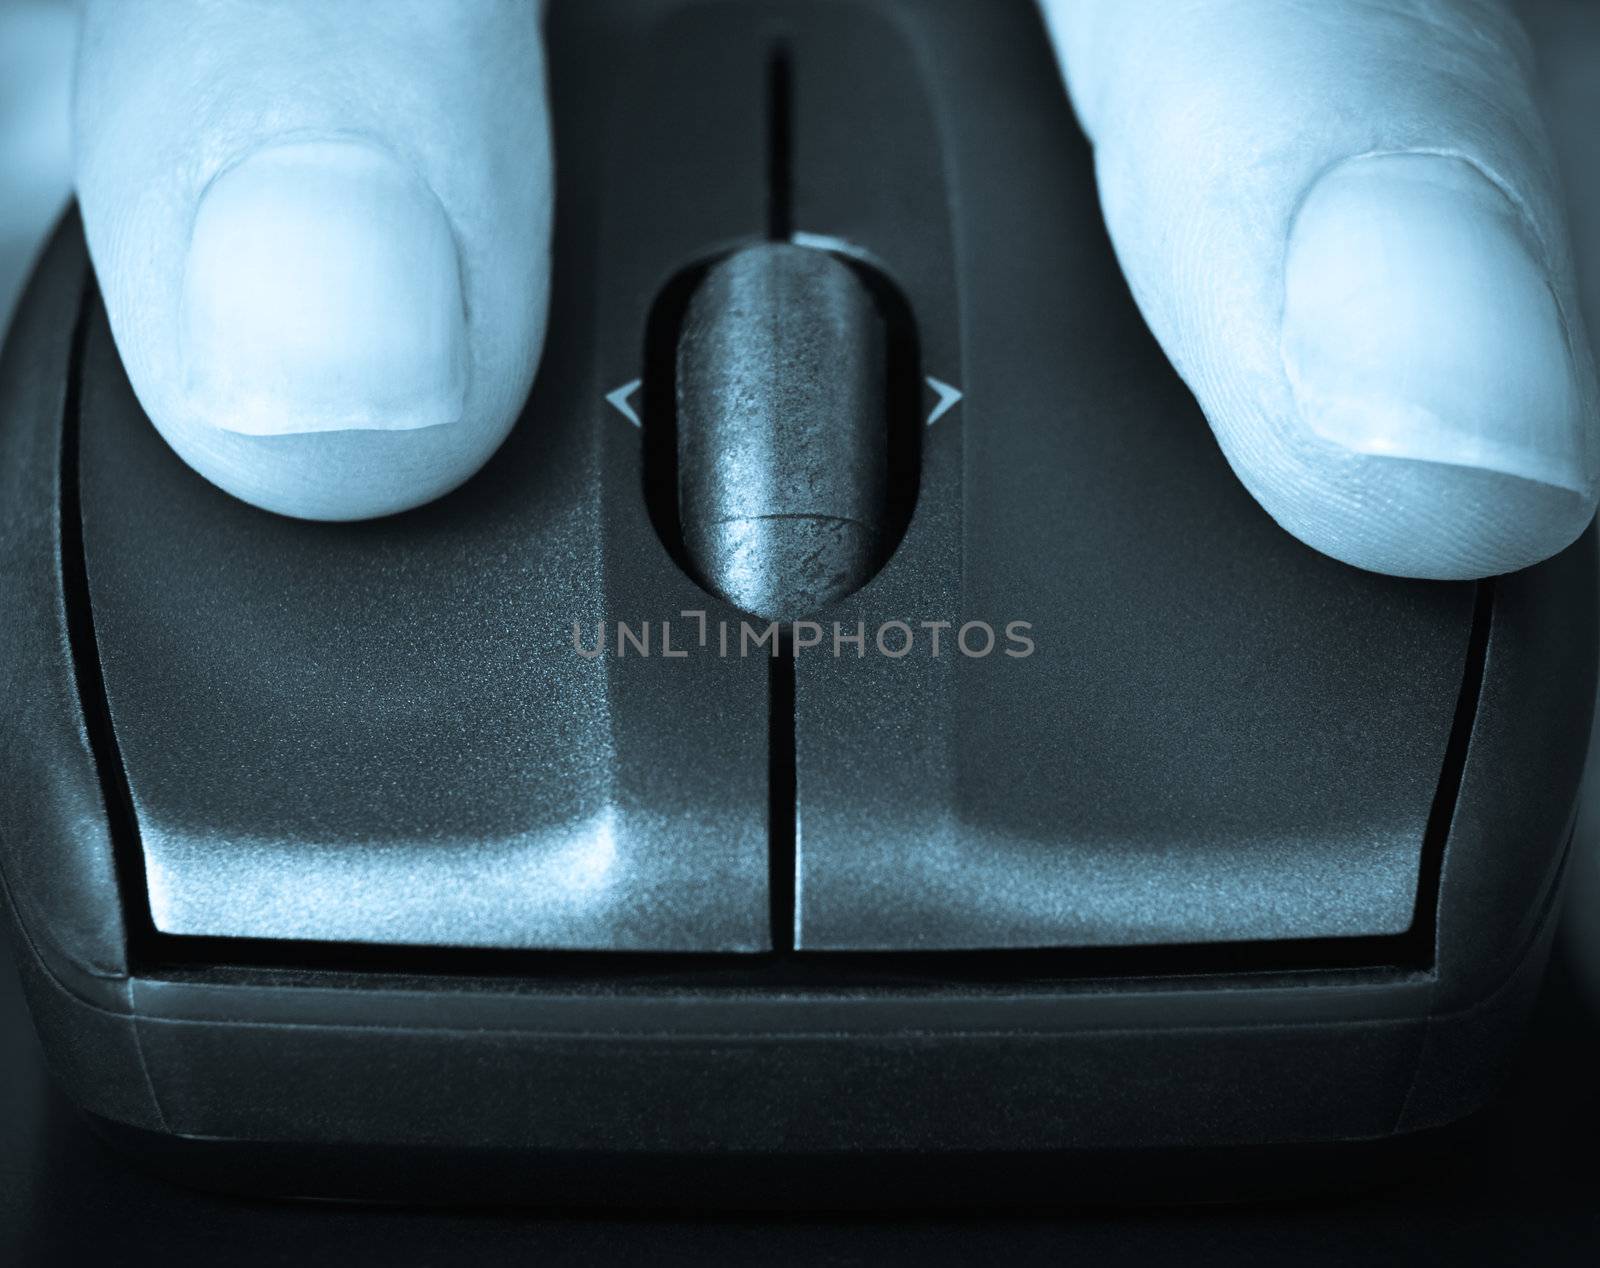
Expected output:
(857, 712)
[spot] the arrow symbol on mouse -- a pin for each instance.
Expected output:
(619, 399)
(948, 396)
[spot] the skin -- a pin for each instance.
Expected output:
(175, 99)
(1340, 219)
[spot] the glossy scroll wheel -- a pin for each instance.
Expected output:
(783, 435)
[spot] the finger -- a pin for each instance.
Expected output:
(1342, 222)
(321, 231)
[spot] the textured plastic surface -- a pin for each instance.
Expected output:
(1212, 692)
(55, 849)
(384, 732)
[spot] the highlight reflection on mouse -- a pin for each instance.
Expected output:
(632, 560)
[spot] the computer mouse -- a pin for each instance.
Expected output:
(856, 713)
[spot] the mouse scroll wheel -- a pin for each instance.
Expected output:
(783, 438)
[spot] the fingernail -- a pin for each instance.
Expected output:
(1419, 323)
(322, 293)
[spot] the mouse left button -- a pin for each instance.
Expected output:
(420, 730)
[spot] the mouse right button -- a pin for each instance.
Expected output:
(1153, 717)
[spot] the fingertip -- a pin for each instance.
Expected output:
(1441, 403)
(1343, 227)
(322, 352)
(322, 292)
(347, 475)
(321, 234)
(1407, 517)
(1420, 322)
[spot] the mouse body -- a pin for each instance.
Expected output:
(941, 754)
